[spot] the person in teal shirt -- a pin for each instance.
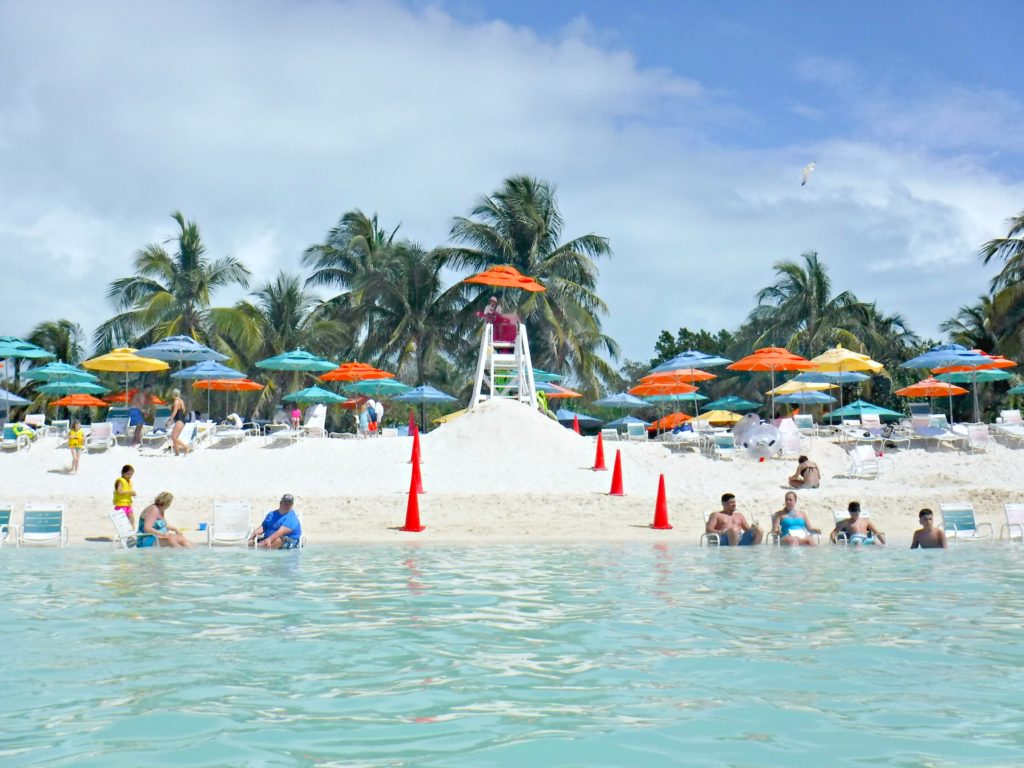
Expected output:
(281, 528)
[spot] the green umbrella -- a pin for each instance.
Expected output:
(59, 372)
(297, 360)
(314, 395)
(969, 377)
(860, 407)
(1018, 390)
(72, 388)
(378, 387)
(731, 403)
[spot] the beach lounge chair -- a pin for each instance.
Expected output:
(316, 421)
(792, 443)
(636, 433)
(117, 417)
(231, 525)
(609, 433)
(722, 446)
(101, 437)
(1011, 418)
(124, 536)
(234, 431)
(842, 514)
(865, 463)
(60, 427)
(1009, 433)
(283, 434)
(920, 409)
(156, 439)
(978, 438)
(924, 428)
(43, 524)
(959, 524)
(38, 423)
(805, 425)
(13, 440)
(6, 510)
(1014, 525)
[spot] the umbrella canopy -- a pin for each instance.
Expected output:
(951, 357)
(772, 359)
(228, 385)
(547, 387)
(832, 377)
(539, 375)
(208, 369)
(355, 372)
(733, 403)
(930, 388)
(806, 398)
(648, 390)
(993, 362)
(425, 394)
(450, 416)
(562, 392)
(11, 346)
(686, 375)
(839, 359)
(717, 417)
(72, 388)
(620, 400)
(859, 407)
(59, 372)
(691, 358)
(125, 360)
(671, 421)
(566, 416)
(181, 349)
(625, 421)
(980, 375)
(1018, 390)
(297, 360)
(125, 397)
(9, 398)
(505, 276)
(80, 401)
(378, 387)
(686, 397)
(793, 385)
(314, 395)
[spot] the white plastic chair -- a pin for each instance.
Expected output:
(6, 510)
(1014, 522)
(609, 433)
(231, 524)
(43, 524)
(124, 535)
(316, 421)
(1011, 418)
(864, 462)
(636, 433)
(100, 437)
(958, 522)
(843, 514)
(12, 441)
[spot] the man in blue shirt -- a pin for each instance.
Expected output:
(281, 528)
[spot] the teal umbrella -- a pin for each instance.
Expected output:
(860, 407)
(1018, 390)
(691, 397)
(732, 403)
(13, 347)
(378, 387)
(969, 377)
(59, 372)
(314, 395)
(72, 388)
(539, 375)
(297, 360)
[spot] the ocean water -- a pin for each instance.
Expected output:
(543, 655)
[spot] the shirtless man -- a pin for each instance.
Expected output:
(137, 407)
(807, 474)
(858, 530)
(731, 526)
(927, 537)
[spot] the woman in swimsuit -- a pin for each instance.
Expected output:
(153, 527)
(178, 418)
(792, 525)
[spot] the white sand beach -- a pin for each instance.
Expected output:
(500, 473)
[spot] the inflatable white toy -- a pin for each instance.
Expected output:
(757, 438)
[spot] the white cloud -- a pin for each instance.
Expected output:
(264, 121)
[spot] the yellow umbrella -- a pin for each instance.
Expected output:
(793, 386)
(717, 417)
(839, 359)
(124, 360)
(450, 417)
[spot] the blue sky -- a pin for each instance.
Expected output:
(677, 129)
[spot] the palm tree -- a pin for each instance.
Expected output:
(65, 338)
(971, 326)
(414, 321)
(1011, 250)
(172, 293)
(799, 312)
(520, 225)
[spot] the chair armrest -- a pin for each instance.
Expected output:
(979, 526)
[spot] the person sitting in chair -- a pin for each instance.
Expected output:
(731, 526)
(857, 529)
(281, 528)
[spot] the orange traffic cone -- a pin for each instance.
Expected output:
(415, 458)
(575, 423)
(661, 508)
(599, 456)
(417, 478)
(412, 421)
(617, 476)
(412, 509)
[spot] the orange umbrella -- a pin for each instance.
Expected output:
(80, 401)
(688, 375)
(505, 276)
(772, 359)
(648, 390)
(671, 421)
(562, 392)
(355, 372)
(228, 385)
(930, 388)
(125, 397)
(998, 361)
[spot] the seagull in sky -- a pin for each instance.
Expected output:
(805, 173)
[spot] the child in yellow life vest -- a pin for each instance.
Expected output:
(124, 494)
(76, 442)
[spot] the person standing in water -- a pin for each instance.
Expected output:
(927, 536)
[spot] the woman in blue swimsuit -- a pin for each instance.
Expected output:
(792, 525)
(153, 528)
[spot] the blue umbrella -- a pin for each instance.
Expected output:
(691, 358)
(565, 416)
(180, 349)
(945, 355)
(208, 369)
(836, 377)
(423, 395)
(620, 400)
(806, 398)
(625, 421)
(314, 395)
(9, 398)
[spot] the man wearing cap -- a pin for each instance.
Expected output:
(281, 528)
(858, 530)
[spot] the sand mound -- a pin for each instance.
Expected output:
(506, 424)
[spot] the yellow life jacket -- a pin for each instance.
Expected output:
(123, 492)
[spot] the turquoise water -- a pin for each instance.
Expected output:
(433, 655)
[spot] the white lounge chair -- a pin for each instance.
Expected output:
(315, 424)
(924, 427)
(865, 463)
(978, 438)
(792, 443)
(38, 422)
(124, 536)
(6, 510)
(609, 433)
(959, 524)
(234, 431)
(60, 427)
(13, 441)
(636, 432)
(43, 524)
(1011, 418)
(722, 446)
(100, 437)
(231, 525)
(805, 425)
(1014, 525)
(1009, 432)
(709, 539)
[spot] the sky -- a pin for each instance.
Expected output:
(676, 129)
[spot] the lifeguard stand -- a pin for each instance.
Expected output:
(504, 368)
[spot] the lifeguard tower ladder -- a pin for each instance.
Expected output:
(504, 368)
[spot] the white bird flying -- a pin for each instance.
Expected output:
(805, 173)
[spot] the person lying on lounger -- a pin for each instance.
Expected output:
(858, 530)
